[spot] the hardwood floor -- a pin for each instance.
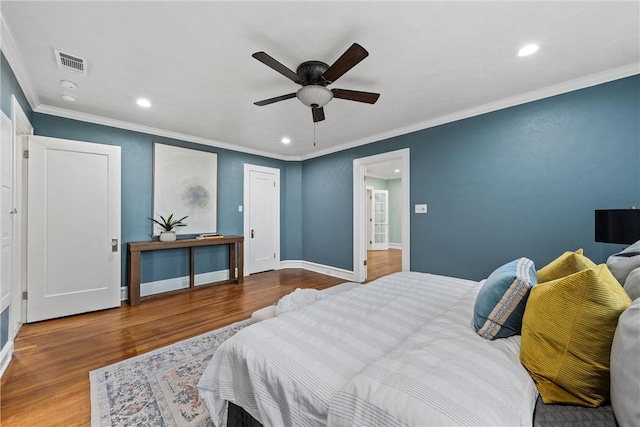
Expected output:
(381, 263)
(47, 382)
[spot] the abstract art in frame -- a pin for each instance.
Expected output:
(185, 183)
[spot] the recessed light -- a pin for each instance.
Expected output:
(143, 102)
(68, 84)
(68, 98)
(286, 140)
(397, 171)
(528, 50)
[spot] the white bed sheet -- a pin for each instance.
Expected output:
(443, 375)
(300, 368)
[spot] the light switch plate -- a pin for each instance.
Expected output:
(421, 208)
(240, 208)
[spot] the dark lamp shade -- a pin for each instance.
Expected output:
(618, 226)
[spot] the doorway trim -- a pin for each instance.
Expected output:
(21, 128)
(359, 209)
(248, 168)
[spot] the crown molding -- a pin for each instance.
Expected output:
(547, 92)
(558, 89)
(90, 118)
(11, 52)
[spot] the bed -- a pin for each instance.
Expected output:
(401, 350)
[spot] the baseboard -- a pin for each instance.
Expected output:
(319, 268)
(395, 245)
(290, 264)
(5, 357)
(160, 286)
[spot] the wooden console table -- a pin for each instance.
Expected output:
(135, 248)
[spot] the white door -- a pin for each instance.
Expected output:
(21, 127)
(263, 207)
(6, 214)
(380, 220)
(73, 221)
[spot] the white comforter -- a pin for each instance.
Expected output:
(398, 351)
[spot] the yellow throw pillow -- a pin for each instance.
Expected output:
(567, 331)
(566, 264)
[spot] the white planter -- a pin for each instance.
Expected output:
(167, 236)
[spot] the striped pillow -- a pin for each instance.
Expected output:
(500, 304)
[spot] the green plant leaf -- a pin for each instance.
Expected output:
(168, 224)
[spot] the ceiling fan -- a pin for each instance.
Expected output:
(315, 76)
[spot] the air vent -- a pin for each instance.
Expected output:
(72, 63)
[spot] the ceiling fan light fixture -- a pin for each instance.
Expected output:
(314, 95)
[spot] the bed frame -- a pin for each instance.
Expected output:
(544, 416)
(238, 417)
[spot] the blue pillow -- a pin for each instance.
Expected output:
(501, 301)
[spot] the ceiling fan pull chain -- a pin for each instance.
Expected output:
(315, 124)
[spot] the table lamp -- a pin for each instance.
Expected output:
(617, 225)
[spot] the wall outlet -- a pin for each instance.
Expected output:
(421, 208)
(240, 208)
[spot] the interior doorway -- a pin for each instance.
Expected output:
(384, 239)
(368, 173)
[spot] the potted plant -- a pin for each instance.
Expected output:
(167, 225)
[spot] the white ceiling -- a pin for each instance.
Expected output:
(385, 170)
(432, 62)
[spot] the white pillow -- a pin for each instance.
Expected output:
(625, 367)
(632, 284)
(622, 263)
(296, 299)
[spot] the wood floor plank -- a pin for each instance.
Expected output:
(47, 381)
(381, 263)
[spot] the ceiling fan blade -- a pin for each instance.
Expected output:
(276, 99)
(318, 114)
(354, 95)
(272, 63)
(347, 61)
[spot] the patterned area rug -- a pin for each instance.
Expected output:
(157, 388)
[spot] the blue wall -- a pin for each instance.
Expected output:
(291, 216)
(137, 192)
(9, 86)
(522, 181)
(327, 211)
